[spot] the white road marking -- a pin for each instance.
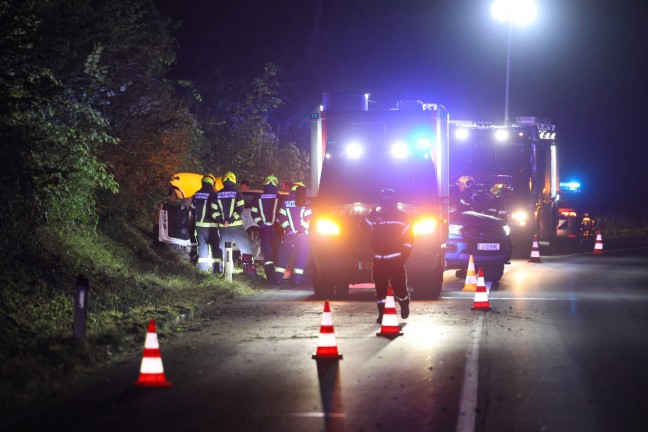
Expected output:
(513, 298)
(469, 398)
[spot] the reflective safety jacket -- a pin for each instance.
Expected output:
(294, 219)
(230, 206)
(392, 234)
(204, 202)
(264, 210)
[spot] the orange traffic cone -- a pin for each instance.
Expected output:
(471, 277)
(598, 246)
(481, 296)
(390, 327)
(151, 370)
(326, 346)
(535, 250)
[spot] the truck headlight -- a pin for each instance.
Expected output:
(327, 227)
(507, 230)
(354, 151)
(455, 229)
(424, 227)
(520, 217)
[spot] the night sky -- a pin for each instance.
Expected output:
(582, 64)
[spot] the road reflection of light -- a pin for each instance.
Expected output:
(520, 278)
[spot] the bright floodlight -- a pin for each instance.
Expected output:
(521, 12)
(501, 135)
(354, 151)
(461, 134)
(399, 150)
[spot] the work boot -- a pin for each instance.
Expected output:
(404, 305)
(381, 311)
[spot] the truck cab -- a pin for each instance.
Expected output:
(357, 153)
(514, 174)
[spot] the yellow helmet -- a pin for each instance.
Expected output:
(271, 179)
(229, 176)
(497, 190)
(296, 185)
(208, 179)
(466, 180)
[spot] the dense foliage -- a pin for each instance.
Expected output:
(91, 130)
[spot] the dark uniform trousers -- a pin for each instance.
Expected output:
(208, 239)
(270, 242)
(390, 270)
(295, 246)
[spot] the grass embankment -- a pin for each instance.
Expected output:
(130, 282)
(624, 226)
(624, 230)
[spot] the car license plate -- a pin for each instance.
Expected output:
(488, 246)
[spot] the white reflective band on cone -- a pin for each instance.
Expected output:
(327, 319)
(326, 340)
(151, 365)
(151, 341)
(389, 320)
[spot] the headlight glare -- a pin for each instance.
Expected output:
(424, 227)
(327, 227)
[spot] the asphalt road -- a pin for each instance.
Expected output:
(565, 349)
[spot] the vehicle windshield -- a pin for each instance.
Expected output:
(346, 181)
(481, 152)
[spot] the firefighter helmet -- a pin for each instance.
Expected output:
(271, 179)
(388, 197)
(229, 176)
(467, 181)
(208, 179)
(497, 190)
(296, 185)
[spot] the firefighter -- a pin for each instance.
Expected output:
(294, 217)
(392, 239)
(206, 213)
(462, 193)
(230, 221)
(264, 212)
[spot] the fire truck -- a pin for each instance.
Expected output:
(355, 153)
(510, 172)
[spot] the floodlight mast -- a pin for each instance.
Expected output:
(521, 12)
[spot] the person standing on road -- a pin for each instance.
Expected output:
(230, 219)
(392, 240)
(264, 212)
(294, 217)
(206, 211)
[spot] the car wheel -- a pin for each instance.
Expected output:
(428, 283)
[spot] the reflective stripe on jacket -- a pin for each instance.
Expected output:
(293, 219)
(392, 235)
(203, 202)
(265, 210)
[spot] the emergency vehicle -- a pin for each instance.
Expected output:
(510, 172)
(355, 153)
(575, 224)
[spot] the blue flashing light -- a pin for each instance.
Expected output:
(570, 186)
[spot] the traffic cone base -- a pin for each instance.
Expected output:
(598, 246)
(481, 295)
(151, 369)
(389, 326)
(535, 250)
(471, 277)
(326, 344)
